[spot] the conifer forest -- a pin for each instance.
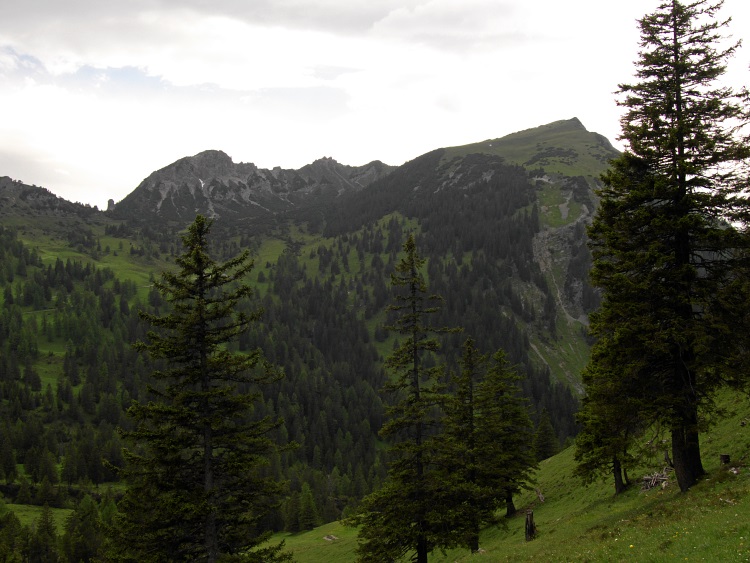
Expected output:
(401, 358)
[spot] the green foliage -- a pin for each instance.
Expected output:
(196, 485)
(589, 523)
(308, 512)
(545, 443)
(670, 240)
(11, 541)
(487, 443)
(42, 544)
(83, 537)
(609, 417)
(410, 512)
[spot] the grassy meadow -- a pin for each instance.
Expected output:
(576, 523)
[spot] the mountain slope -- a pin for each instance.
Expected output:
(471, 201)
(210, 183)
(562, 147)
(505, 247)
(579, 523)
(18, 200)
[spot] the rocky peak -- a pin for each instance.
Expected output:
(211, 183)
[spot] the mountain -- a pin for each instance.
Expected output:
(563, 147)
(212, 184)
(514, 207)
(18, 200)
(476, 202)
(501, 224)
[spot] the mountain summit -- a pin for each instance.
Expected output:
(212, 184)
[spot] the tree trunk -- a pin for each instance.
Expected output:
(686, 454)
(474, 541)
(211, 543)
(422, 550)
(617, 473)
(510, 507)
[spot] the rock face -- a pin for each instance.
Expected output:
(212, 184)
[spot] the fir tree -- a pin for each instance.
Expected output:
(195, 486)
(409, 513)
(42, 546)
(546, 443)
(669, 241)
(83, 535)
(505, 433)
(609, 417)
(308, 511)
(486, 446)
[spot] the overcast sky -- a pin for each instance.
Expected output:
(97, 94)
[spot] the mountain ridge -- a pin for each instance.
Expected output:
(211, 183)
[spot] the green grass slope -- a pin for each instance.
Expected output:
(562, 147)
(575, 523)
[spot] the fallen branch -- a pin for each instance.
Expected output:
(660, 478)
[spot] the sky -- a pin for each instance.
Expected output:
(97, 94)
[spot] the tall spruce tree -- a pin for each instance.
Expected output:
(546, 444)
(609, 417)
(505, 433)
(196, 490)
(669, 241)
(411, 512)
(487, 443)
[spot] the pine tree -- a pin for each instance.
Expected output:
(409, 513)
(487, 442)
(546, 443)
(461, 451)
(505, 433)
(195, 489)
(608, 416)
(42, 546)
(83, 536)
(669, 241)
(308, 511)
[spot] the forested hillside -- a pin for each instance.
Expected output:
(505, 247)
(231, 353)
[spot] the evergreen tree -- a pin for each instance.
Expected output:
(546, 443)
(669, 241)
(409, 513)
(11, 536)
(195, 486)
(308, 512)
(8, 468)
(42, 543)
(487, 442)
(505, 433)
(82, 539)
(608, 417)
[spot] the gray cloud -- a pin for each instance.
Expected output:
(350, 16)
(86, 25)
(454, 26)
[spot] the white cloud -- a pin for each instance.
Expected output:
(96, 94)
